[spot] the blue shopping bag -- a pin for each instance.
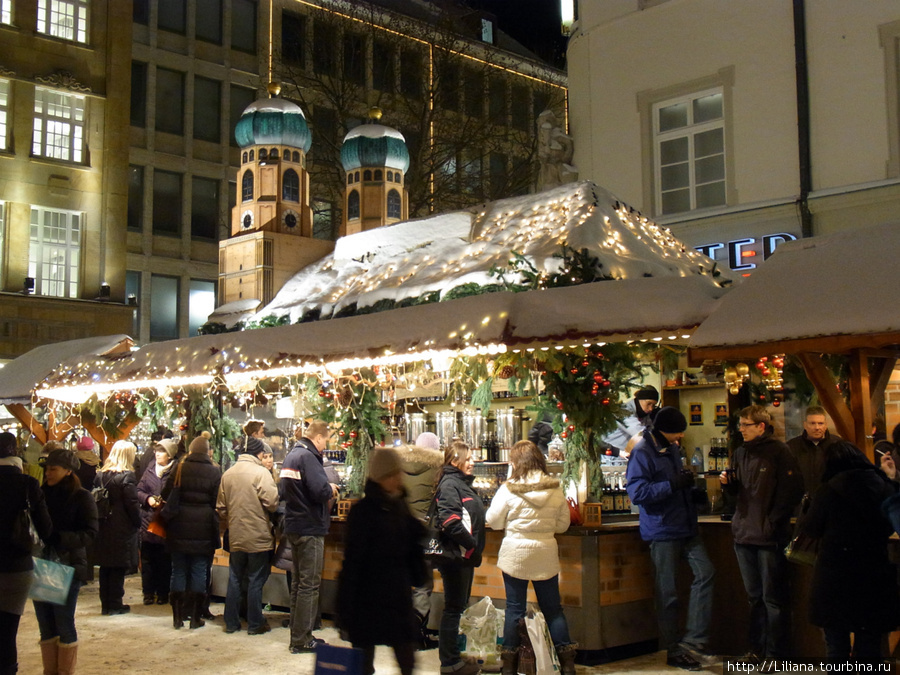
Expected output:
(52, 581)
(344, 660)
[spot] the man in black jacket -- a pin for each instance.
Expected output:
(809, 447)
(768, 485)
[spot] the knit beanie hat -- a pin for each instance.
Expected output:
(201, 443)
(85, 443)
(669, 420)
(63, 458)
(168, 445)
(254, 446)
(384, 462)
(7, 445)
(428, 440)
(647, 393)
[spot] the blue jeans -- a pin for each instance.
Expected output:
(764, 571)
(666, 556)
(184, 566)
(59, 620)
(308, 557)
(457, 588)
(254, 567)
(547, 592)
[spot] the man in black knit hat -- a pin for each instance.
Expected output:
(636, 418)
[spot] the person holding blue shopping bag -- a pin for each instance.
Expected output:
(74, 516)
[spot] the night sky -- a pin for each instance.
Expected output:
(534, 23)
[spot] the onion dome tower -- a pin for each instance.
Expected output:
(375, 159)
(271, 226)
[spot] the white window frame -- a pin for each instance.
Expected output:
(689, 131)
(4, 114)
(54, 251)
(6, 12)
(58, 125)
(65, 19)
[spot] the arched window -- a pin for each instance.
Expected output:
(290, 186)
(394, 205)
(295, 156)
(398, 177)
(263, 154)
(244, 158)
(251, 155)
(390, 176)
(353, 205)
(349, 179)
(367, 174)
(247, 186)
(273, 153)
(356, 176)
(378, 174)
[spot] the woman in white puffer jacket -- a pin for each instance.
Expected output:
(532, 508)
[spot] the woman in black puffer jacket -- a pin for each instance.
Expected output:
(16, 491)
(156, 564)
(192, 535)
(461, 521)
(74, 516)
(116, 548)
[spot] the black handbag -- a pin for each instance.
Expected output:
(172, 505)
(432, 543)
(24, 535)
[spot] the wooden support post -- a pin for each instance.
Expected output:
(861, 401)
(26, 419)
(830, 398)
(878, 380)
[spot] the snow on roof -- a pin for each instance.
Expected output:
(371, 130)
(19, 376)
(839, 284)
(438, 253)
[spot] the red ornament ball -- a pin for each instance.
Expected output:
(352, 434)
(605, 401)
(564, 435)
(776, 403)
(559, 405)
(574, 371)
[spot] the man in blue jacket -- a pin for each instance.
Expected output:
(663, 488)
(306, 492)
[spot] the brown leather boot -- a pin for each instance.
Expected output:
(566, 655)
(68, 655)
(176, 598)
(49, 656)
(196, 601)
(509, 658)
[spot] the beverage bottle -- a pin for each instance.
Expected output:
(697, 461)
(713, 457)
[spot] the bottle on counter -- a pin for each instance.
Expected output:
(697, 461)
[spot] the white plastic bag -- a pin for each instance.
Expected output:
(482, 626)
(545, 659)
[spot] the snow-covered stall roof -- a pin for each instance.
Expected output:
(410, 259)
(19, 377)
(839, 290)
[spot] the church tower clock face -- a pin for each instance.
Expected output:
(247, 219)
(290, 219)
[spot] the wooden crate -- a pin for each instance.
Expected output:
(591, 514)
(343, 508)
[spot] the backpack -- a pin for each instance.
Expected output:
(101, 499)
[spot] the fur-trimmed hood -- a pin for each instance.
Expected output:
(417, 460)
(536, 487)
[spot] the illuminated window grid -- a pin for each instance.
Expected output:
(58, 125)
(4, 109)
(66, 19)
(54, 252)
(6, 11)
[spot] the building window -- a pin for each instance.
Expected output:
(243, 25)
(170, 101)
(273, 153)
(172, 16)
(497, 174)
(497, 101)
(519, 107)
(58, 125)
(355, 59)
(208, 21)
(367, 174)
(4, 111)
(293, 39)
(263, 153)
(135, 198)
(295, 157)
(251, 155)
(323, 220)
(207, 109)
(390, 176)
(383, 77)
(6, 11)
(690, 152)
(133, 294)
(164, 292)
(66, 19)
(379, 175)
(240, 98)
(474, 90)
(204, 207)
(247, 186)
(290, 188)
(353, 205)
(54, 252)
(140, 12)
(447, 84)
(324, 49)
(201, 303)
(138, 94)
(394, 204)
(167, 198)
(411, 73)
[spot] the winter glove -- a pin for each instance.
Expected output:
(682, 481)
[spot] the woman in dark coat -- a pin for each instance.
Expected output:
(116, 547)
(192, 535)
(382, 562)
(854, 587)
(17, 491)
(156, 564)
(74, 516)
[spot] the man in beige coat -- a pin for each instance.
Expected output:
(246, 496)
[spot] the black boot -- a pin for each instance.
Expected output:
(176, 598)
(197, 601)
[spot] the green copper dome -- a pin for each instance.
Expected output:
(273, 121)
(374, 145)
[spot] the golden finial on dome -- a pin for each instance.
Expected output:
(374, 114)
(274, 89)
